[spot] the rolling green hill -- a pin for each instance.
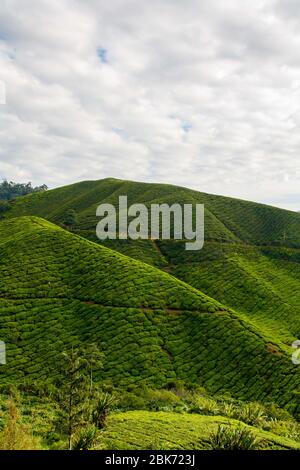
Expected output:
(223, 317)
(58, 289)
(250, 260)
(226, 219)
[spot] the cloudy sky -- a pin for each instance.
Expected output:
(200, 93)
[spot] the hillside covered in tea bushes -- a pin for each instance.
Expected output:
(223, 317)
(250, 259)
(58, 289)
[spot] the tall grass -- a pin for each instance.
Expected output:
(15, 434)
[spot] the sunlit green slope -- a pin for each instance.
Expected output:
(148, 430)
(58, 289)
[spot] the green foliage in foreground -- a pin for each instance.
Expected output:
(165, 430)
(233, 438)
(195, 419)
(75, 393)
(14, 433)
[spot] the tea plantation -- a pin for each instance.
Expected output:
(223, 318)
(250, 260)
(58, 289)
(148, 430)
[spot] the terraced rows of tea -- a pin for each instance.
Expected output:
(58, 289)
(146, 430)
(223, 317)
(262, 283)
(44, 261)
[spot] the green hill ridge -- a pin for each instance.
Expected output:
(225, 218)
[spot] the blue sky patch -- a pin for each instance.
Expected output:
(186, 126)
(102, 54)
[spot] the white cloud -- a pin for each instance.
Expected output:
(229, 71)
